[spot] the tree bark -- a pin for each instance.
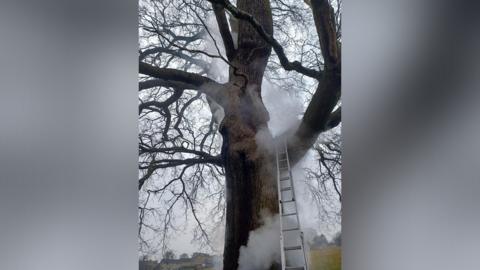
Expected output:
(251, 189)
(319, 111)
(249, 162)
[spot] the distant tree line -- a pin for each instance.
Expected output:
(321, 240)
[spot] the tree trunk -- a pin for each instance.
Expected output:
(249, 160)
(250, 185)
(247, 151)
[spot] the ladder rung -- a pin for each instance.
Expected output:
(284, 178)
(293, 248)
(290, 214)
(283, 168)
(294, 268)
(289, 201)
(291, 229)
(286, 188)
(282, 159)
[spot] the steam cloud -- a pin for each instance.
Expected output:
(263, 247)
(283, 109)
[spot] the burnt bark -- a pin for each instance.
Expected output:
(248, 162)
(248, 158)
(251, 192)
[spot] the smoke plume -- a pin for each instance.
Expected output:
(263, 247)
(284, 109)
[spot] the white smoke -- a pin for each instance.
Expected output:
(285, 114)
(312, 223)
(284, 109)
(263, 247)
(218, 240)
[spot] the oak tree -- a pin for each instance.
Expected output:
(229, 155)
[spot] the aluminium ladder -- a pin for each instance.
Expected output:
(292, 248)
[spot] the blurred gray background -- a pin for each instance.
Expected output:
(68, 135)
(411, 125)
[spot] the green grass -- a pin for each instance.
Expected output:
(329, 258)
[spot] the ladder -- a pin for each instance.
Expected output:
(292, 248)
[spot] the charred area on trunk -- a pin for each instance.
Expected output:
(251, 190)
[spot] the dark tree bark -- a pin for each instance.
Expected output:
(319, 116)
(250, 171)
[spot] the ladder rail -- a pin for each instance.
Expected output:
(280, 209)
(295, 202)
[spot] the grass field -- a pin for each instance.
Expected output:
(329, 258)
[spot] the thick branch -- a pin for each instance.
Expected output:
(169, 74)
(173, 150)
(167, 163)
(185, 80)
(324, 17)
(317, 117)
(334, 119)
(224, 30)
(176, 53)
(160, 104)
(164, 83)
(287, 65)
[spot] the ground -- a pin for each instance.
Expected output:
(328, 258)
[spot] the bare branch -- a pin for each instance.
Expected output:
(176, 53)
(176, 95)
(287, 65)
(186, 80)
